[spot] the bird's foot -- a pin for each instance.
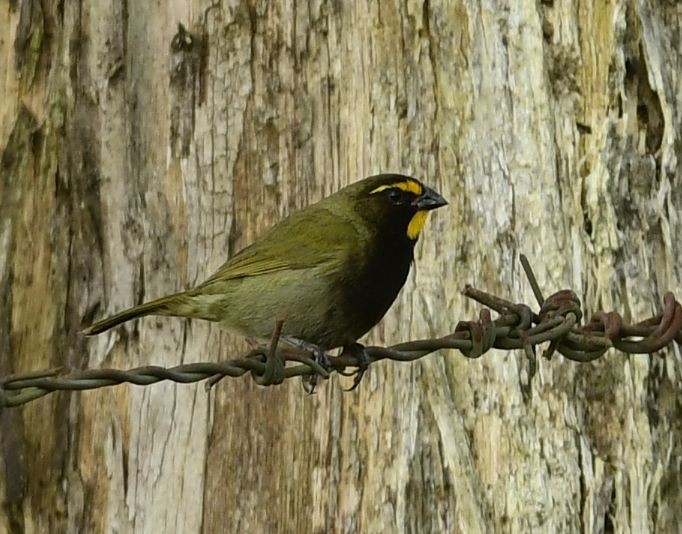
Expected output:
(363, 360)
(319, 358)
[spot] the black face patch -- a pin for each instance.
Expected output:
(403, 195)
(398, 197)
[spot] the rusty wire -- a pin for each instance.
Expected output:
(517, 327)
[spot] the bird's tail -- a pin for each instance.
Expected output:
(179, 305)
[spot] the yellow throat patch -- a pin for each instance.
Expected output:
(416, 224)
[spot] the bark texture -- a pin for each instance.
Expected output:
(142, 143)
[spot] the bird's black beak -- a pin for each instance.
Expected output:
(429, 200)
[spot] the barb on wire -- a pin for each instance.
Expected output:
(516, 327)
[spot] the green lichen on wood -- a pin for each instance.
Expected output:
(29, 40)
(13, 156)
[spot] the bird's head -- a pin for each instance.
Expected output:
(395, 203)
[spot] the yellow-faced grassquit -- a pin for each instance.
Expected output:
(329, 271)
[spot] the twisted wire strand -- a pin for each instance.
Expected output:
(516, 327)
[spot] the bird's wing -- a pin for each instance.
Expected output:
(305, 239)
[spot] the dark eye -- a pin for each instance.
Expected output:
(396, 196)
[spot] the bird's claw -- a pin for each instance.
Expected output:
(363, 361)
(319, 357)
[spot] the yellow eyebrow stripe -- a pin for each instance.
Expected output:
(407, 185)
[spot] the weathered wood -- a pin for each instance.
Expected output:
(142, 143)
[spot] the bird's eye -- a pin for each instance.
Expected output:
(395, 195)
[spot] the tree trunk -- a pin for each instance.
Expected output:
(143, 143)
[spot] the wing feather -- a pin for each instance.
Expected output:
(305, 239)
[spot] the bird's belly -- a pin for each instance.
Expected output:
(328, 308)
(301, 298)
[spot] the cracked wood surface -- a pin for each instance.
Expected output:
(142, 143)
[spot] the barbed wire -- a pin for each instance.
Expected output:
(517, 327)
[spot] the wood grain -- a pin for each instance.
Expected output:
(137, 155)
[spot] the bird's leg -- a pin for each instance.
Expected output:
(274, 366)
(319, 356)
(363, 360)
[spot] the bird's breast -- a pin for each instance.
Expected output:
(372, 280)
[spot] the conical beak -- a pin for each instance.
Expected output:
(429, 200)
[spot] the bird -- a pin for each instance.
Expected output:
(329, 271)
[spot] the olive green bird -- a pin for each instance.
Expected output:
(329, 271)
